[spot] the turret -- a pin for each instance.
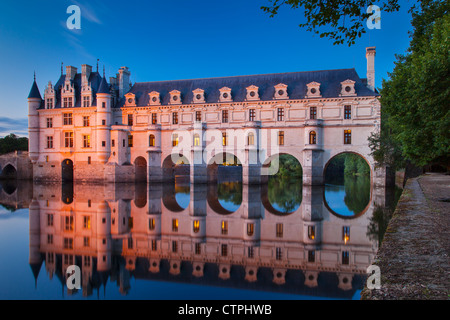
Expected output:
(34, 103)
(103, 121)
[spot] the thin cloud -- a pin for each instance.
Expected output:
(17, 126)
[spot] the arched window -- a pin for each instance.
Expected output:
(251, 139)
(196, 140)
(312, 137)
(151, 140)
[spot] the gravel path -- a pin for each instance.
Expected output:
(414, 255)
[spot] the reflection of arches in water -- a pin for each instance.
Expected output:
(216, 200)
(169, 198)
(348, 190)
(9, 172)
(67, 170)
(9, 186)
(175, 165)
(140, 195)
(67, 192)
(270, 207)
(140, 169)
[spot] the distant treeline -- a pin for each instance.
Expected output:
(12, 143)
(346, 164)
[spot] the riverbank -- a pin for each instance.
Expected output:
(414, 255)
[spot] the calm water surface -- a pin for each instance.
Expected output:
(281, 240)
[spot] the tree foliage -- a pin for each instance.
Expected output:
(416, 98)
(12, 143)
(343, 20)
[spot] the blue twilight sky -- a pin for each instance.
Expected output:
(172, 39)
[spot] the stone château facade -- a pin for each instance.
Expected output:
(86, 129)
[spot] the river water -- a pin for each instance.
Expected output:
(176, 241)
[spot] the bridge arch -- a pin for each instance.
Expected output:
(67, 170)
(140, 169)
(225, 165)
(175, 164)
(9, 172)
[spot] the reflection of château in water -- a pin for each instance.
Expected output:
(115, 232)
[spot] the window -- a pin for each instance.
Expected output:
(224, 227)
(86, 241)
(174, 140)
(49, 142)
(103, 105)
(151, 224)
(130, 119)
(67, 119)
(311, 232)
(87, 261)
(250, 229)
(313, 113)
(68, 243)
(86, 122)
(175, 118)
(251, 139)
(347, 136)
(70, 102)
(280, 114)
(49, 239)
(346, 234)
(345, 257)
(49, 122)
(50, 103)
(279, 230)
(68, 223)
(130, 140)
(174, 246)
(103, 143)
(50, 220)
(224, 250)
(278, 254)
(130, 243)
(347, 112)
(154, 245)
(280, 138)
(198, 248)
(86, 101)
(175, 225)
(103, 122)
(68, 139)
(250, 252)
(251, 115)
(151, 140)
(198, 116)
(86, 141)
(196, 226)
(196, 139)
(68, 259)
(311, 256)
(154, 119)
(224, 139)
(65, 104)
(86, 222)
(113, 143)
(224, 116)
(312, 137)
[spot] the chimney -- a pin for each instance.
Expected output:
(71, 72)
(124, 81)
(370, 56)
(85, 73)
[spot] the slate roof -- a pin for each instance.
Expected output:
(94, 79)
(330, 86)
(104, 87)
(34, 92)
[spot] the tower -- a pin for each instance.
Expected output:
(34, 103)
(103, 121)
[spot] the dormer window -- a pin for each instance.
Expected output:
(281, 91)
(252, 93)
(86, 101)
(225, 95)
(154, 98)
(49, 104)
(348, 88)
(199, 96)
(50, 96)
(130, 100)
(313, 90)
(175, 97)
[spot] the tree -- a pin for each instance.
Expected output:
(416, 98)
(12, 143)
(344, 20)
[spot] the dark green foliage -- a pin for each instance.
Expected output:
(230, 191)
(346, 164)
(343, 20)
(357, 193)
(288, 166)
(12, 143)
(285, 192)
(416, 98)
